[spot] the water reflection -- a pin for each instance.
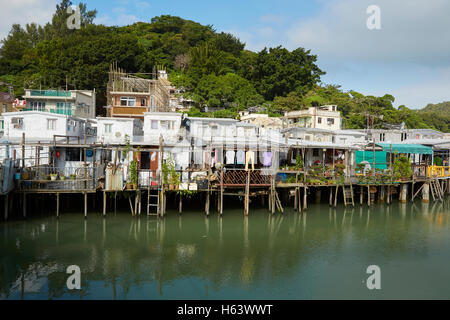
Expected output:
(191, 256)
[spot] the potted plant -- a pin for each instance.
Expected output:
(402, 168)
(53, 176)
(133, 174)
(73, 176)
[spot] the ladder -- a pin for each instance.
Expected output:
(348, 195)
(152, 201)
(436, 190)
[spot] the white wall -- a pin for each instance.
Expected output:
(35, 126)
(170, 135)
(120, 127)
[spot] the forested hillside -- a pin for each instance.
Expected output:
(214, 67)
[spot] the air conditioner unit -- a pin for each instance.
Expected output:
(118, 134)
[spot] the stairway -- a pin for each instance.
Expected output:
(152, 201)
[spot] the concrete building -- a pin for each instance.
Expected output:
(396, 136)
(77, 103)
(116, 130)
(325, 117)
(6, 103)
(261, 120)
(129, 96)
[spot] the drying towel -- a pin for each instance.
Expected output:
(230, 157)
(267, 159)
(240, 157)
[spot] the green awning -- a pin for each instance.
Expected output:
(406, 148)
(380, 158)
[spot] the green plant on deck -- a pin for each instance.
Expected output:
(438, 161)
(133, 172)
(291, 179)
(298, 162)
(402, 167)
(127, 147)
(187, 193)
(170, 176)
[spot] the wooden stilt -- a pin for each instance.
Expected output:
(368, 195)
(331, 197)
(361, 195)
(180, 205)
(24, 207)
(207, 203)
(57, 204)
(247, 195)
(85, 205)
(131, 206)
(221, 191)
(305, 198)
(140, 201)
(299, 199)
(336, 196)
(104, 203)
(6, 207)
(295, 199)
(115, 202)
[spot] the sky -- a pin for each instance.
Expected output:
(409, 57)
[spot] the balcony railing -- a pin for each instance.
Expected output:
(46, 178)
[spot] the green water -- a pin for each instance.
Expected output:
(322, 254)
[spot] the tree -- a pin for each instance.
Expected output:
(278, 72)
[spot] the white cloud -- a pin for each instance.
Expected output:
(23, 12)
(412, 31)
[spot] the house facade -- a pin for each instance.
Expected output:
(6, 103)
(325, 117)
(77, 103)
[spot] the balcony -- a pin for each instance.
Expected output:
(50, 93)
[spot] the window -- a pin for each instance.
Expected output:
(315, 152)
(37, 106)
(154, 124)
(64, 108)
(108, 128)
(73, 154)
(51, 124)
(163, 124)
(330, 121)
(143, 102)
(404, 136)
(382, 136)
(17, 123)
(171, 125)
(128, 101)
(2, 124)
(319, 120)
